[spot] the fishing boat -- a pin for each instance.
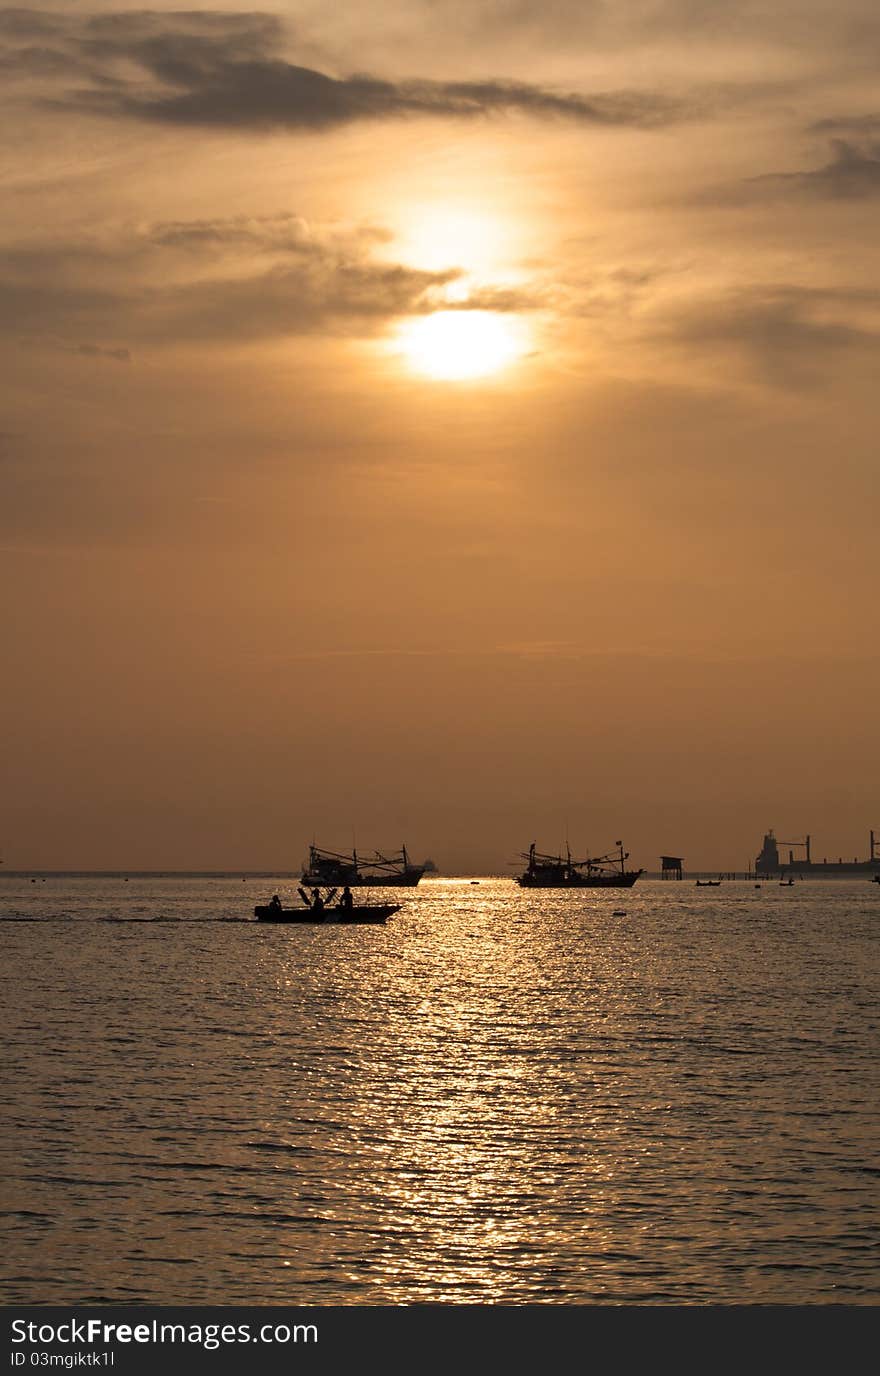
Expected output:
(328, 867)
(561, 872)
(708, 883)
(324, 911)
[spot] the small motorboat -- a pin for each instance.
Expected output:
(368, 912)
(320, 908)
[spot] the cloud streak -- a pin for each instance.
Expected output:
(852, 174)
(263, 277)
(226, 71)
(789, 336)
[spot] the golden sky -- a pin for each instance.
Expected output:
(438, 422)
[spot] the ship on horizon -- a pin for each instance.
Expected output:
(768, 863)
(328, 868)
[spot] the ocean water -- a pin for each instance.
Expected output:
(501, 1097)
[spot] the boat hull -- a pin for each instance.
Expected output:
(840, 869)
(582, 881)
(372, 913)
(337, 879)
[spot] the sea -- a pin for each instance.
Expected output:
(666, 1095)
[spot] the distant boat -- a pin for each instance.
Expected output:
(327, 868)
(325, 912)
(786, 883)
(558, 872)
(708, 883)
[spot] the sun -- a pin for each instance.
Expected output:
(461, 344)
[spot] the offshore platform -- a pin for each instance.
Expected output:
(805, 867)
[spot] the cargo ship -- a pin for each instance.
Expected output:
(769, 863)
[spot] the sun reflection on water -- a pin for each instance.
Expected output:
(501, 1097)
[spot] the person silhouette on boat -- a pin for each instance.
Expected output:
(275, 903)
(346, 902)
(317, 901)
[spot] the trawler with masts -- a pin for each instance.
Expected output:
(328, 868)
(561, 872)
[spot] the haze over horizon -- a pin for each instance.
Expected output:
(438, 424)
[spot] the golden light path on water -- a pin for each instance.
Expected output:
(501, 1097)
(474, 1121)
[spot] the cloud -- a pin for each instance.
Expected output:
(860, 125)
(317, 295)
(282, 235)
(226, 71)
(853, 173)
(789, 336)
(118, 355)
(694, 27)
(253, 278)
(502, 300)
(278, 95)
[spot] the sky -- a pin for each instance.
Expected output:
(438, 423)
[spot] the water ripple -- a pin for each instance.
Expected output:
(502, 1098)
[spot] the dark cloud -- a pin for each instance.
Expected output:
(318, 295)
(789, 336)
(226, 71)
(259, 278)
(278, 95)
(852, 173)
(858, 125)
